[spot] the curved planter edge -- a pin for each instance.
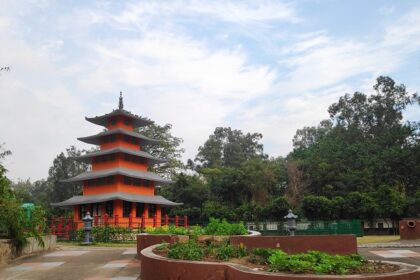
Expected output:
(191, 270)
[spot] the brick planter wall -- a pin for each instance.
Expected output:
(154, 267)
(332, 244)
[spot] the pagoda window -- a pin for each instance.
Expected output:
(139, 209)
(152, 210)
(113, 121)
(137, 182)
(127, 180)
(146, 183)
(110, 180)
(109, 208)
(82, 211)
(127, 121)
(126, 208)
(96, 209)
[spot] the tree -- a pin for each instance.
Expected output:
(168, 148)
(366, 144)
(65, 166)
(317, 207)
(229, 148)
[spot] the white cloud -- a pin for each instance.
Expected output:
(172, 73)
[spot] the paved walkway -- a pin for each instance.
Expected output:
(84, 263)
(404, 255)
(88, 263)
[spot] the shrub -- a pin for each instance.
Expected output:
(186, 251)
(226, 251)
(314, 262)
(222, 227)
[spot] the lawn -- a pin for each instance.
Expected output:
(377, 239)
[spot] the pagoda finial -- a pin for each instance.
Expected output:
(121, 104)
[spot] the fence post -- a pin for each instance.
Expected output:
(60, 226)
(176, 220)
(166, 221)
(116, 220)
(106, 216)
(66, 232)
(143, 222)
(95, 220)
(154, 220)
(130, 221)
(185, 221)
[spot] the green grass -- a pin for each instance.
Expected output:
(377, 239)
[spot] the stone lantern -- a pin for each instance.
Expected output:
(291, 222)
(87, 220)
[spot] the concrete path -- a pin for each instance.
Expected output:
(84, 263)
(404, 255)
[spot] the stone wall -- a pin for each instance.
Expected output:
(8, 250)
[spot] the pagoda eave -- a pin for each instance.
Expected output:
(151, 159)
(96, 139)
(103, 119)
(118, 171)
(87, 199)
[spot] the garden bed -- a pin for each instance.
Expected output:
(243, 268)
(272, 260)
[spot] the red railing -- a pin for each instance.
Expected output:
(66, 228)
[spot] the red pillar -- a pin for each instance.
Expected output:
(154, 220)
(185, 221)
(176, 221)
(166, 222)
(130, 221)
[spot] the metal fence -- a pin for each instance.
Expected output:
(309, 227)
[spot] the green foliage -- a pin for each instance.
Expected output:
(222, 227)
(186, 251)
(168, 148)
(261, 255)
(225, 251)
(108, 234)
(14, 223)
(229, 148)
(314, 262)
(169, 230)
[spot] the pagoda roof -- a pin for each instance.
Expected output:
(87, 199)
(95, 139)
(151, 159)
(138, 121)
(118, 171)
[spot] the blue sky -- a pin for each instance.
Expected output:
(259, 66)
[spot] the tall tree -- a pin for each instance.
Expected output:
(228, 147)
(169, 148)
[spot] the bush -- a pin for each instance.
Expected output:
(186, 251)
(222, 227)
(226, 251)
(108, 234)
(167, 230)
(314, 262)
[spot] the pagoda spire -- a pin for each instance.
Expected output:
(121, 104)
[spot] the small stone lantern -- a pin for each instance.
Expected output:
(291, 222)
(87, 228)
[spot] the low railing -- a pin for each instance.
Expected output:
(66, 228)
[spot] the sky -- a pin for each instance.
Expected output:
(259, 66)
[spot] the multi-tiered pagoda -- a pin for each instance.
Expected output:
(119, 183)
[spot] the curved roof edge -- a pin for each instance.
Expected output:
(95, 139)
(138, 121)
(87, 199)
(118, 171)
(152, 160)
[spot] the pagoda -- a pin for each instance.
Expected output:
(119, 183)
